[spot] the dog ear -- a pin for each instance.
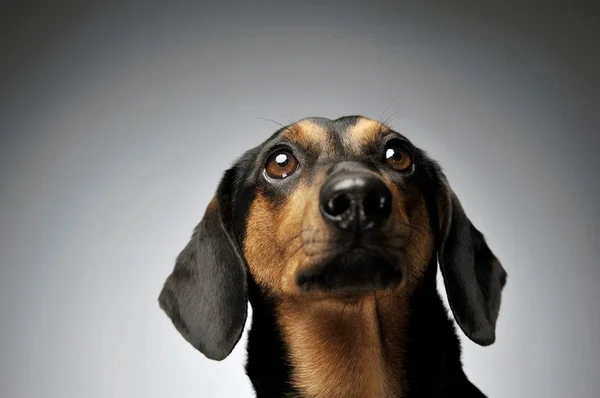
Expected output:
(473, 276)
(206, 294)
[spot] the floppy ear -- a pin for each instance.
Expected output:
(473, 276)
(206, 294)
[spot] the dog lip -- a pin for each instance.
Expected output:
(355, 271)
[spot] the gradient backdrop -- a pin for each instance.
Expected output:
(117, 119)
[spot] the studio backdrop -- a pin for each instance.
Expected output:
(117, 120)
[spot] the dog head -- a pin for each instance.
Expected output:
(329, 210)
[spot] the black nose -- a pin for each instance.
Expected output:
(355, 201)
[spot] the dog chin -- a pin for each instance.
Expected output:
(353, 273)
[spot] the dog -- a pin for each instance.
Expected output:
(333, 230)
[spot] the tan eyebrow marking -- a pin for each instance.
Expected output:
(308, 134)
(364, 133)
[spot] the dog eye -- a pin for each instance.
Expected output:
(281, 164)
(397, 156)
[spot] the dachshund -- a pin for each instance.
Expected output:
(333, 231)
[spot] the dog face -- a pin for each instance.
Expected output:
(329, 210)
(338, 211)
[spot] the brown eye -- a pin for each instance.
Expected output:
(397, 156)
(281, 164)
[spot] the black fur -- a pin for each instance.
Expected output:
(473, 276)
(267, 365)
(207, 293)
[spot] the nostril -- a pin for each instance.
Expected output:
(375, 203)
(377, 206)
(355, 201)
(338, 205)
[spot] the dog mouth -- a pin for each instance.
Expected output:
(354, 272)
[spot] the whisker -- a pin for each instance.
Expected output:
(298, 235)
(389, 118)
(296, 251)
(291, 240)
(303, 244)
(342, 313)
(411, 227)
(287, 128)
(386, 108)
(271, 120)
(290, 248)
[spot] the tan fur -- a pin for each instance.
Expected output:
(364, 133)
(212, 206)
(307, 134)
(280, 239)
(336, 349)
(271, 233)
(409, 208)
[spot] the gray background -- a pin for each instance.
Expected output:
(117, 120)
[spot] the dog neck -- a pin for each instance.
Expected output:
(338, 349)
(384, 345)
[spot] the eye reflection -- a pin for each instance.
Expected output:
(397, 156)
(282, 160)
(281, 164)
